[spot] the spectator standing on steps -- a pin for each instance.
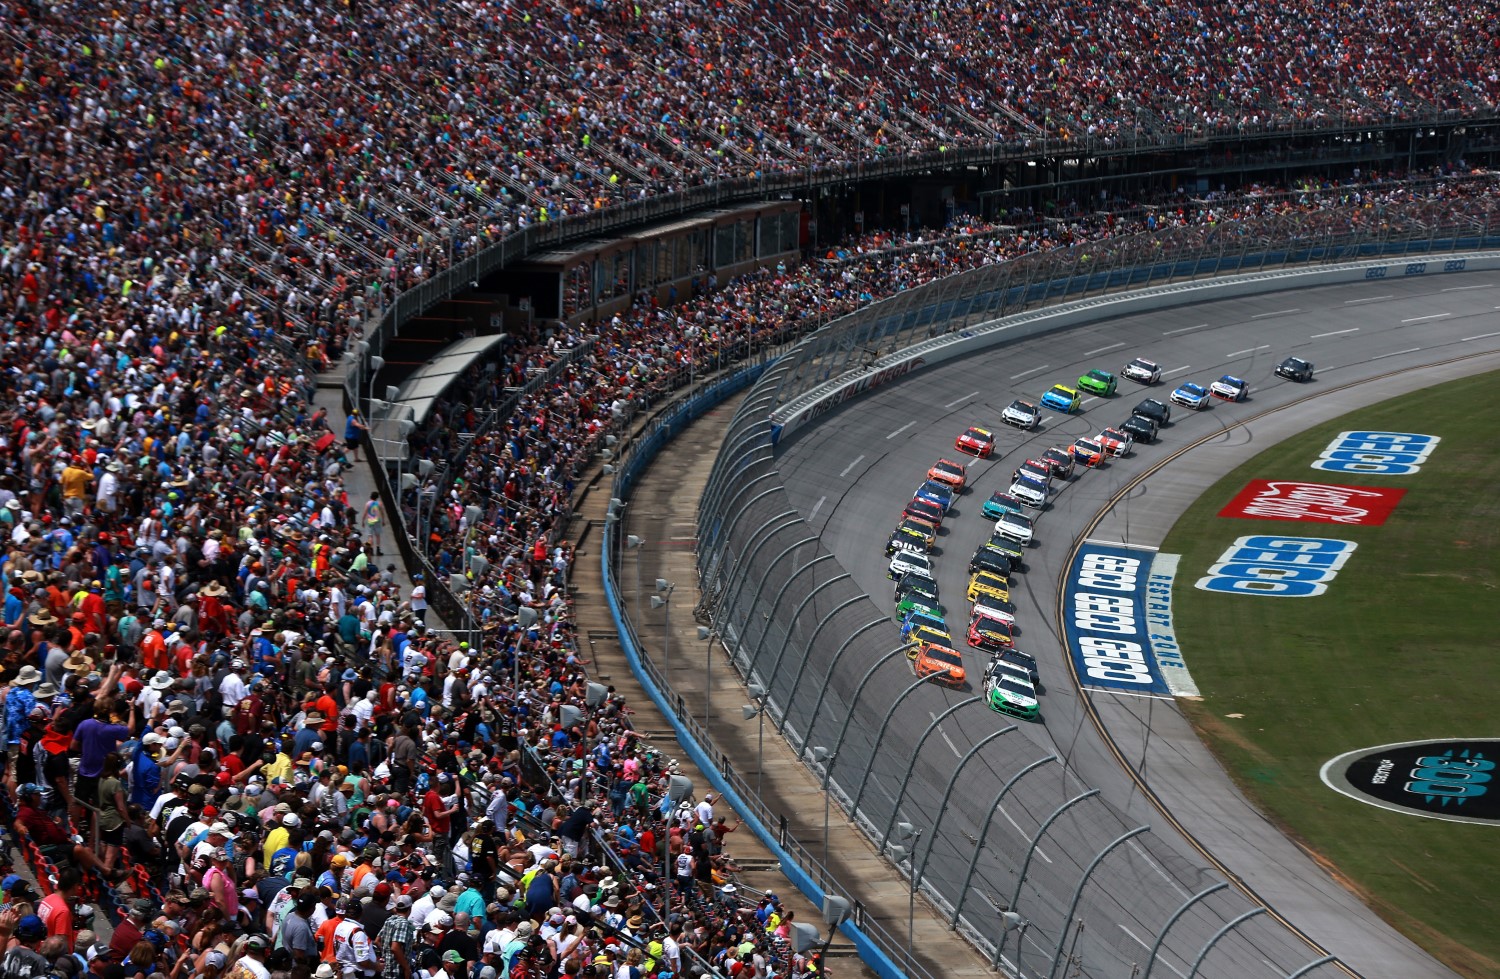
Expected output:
(374, 523)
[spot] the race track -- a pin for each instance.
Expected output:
(850, 475)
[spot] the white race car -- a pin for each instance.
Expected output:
(1029, 490)
(1015, 527)
(1142, 370)
(1190, 395)
(1022, 414)
(910, 562)
(1230, 388)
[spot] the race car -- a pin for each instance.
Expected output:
(940, 663)
(925, 634)
(913, 602)
(1230, 388)
(919, 526)
(1088, 451)
(1098, 382)
(1144, 371)
(991, 608)
(1154, 410)
(916, 619)
(976, 441)
(1008, 690)
(1022, 414)
(946, 471)
(919, 509)
(1007, 546)
(1140, 428)
(1016, 527)
(1030, 490)
(990, 634)
(1295, 369)
(999, 503)
(988, 584)
(991, 560)
(1036, 469)
(936, 493)
(1190, 394)
(1115, 442)
(1060, 461)
(1061, 398)
(914, 585)
(1025, 661)
(902, 539)
(909, 562)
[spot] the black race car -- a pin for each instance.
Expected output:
(989, 559)
(1154, 410)
(1139, 427)
(1295, 369)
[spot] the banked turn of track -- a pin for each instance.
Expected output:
(849, 476)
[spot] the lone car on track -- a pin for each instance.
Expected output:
(939, 494)
(999, 503)
(1022, 414)
(1155, 410)
(1061, 398)
(990, 634)
(1098, 382)
(1190, 394)
(940, 663)
(1008, 690)
(989, 585)
(1116, 442)
(1016, 527)
(909, 562)
(1030, 490)
(1060, 461)
(1140, 428)
(1295, 369)
(976, 441)
(1230, 388)
(1142, 370)
(947, 471)
(1088, 451)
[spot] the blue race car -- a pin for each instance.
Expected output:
(935, 492)
(1061, 398)
(1190, 395)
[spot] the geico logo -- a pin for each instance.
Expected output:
(1378, 453)
(1287, 567)
(1117, 660)
(1085, 602)
(1124, 625)
(1108, 572)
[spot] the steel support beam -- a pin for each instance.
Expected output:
(989, 817)
(1078, 894)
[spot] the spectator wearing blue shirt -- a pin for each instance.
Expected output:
(19, 701)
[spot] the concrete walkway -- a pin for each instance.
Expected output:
(663, 511)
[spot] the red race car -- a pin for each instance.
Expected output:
(976, 441)
(949, 472)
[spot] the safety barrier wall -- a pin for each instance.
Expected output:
(835, 676)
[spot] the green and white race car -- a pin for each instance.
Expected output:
(1008, 690)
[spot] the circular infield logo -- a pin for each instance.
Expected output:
(1454, 780)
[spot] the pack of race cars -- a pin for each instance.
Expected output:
(1011, 682)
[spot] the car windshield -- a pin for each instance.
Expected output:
(1015, 685)
(1192, 388)
(1056, 455)
(1089, 444)
(935, 488)
(1027, 481)
(1062, 392)
(912, 526)
(1295, 362)
(1099, 375)
(948, 468)
(978, 435)
(1144, 365)
(1022, 406)
(1015, 520)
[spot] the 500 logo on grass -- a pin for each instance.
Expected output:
(1377, 453)
(1284, 567)
(1107, 631)
(1454, 780)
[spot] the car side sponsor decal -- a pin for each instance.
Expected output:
(1105, 619)
(1450, 779)
(1282, 567)
(1161, 632)
(1377, 453)
(1267, 499)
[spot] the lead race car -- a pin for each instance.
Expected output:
(1190, 394)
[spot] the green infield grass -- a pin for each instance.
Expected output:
(1403, 646)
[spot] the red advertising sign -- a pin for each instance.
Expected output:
(1266, 499)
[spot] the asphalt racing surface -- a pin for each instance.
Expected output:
(853, 471)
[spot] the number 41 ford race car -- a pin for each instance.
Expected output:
(1230, 388)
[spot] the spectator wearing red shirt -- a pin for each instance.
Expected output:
(56, 909)
(48, 834)
(439, 817)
